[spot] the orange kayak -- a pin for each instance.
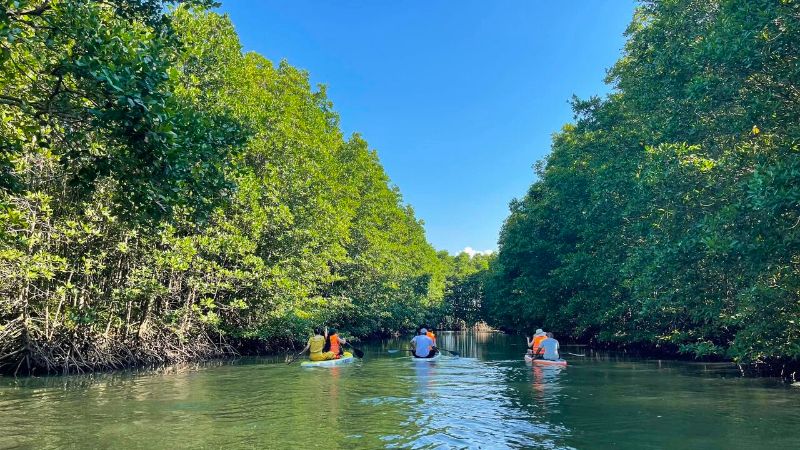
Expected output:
(545, 362)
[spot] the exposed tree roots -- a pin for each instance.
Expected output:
(22, 354)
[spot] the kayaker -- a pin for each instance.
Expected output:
(315, 345)
(336, 343)
(422, 345)
(535, 340)
(432, 336)
(549, 347)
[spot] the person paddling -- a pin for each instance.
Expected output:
(422, 346)
(549, 347)
(315, 345)
(535, 341)
(336, 343)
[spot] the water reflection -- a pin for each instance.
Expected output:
(546, 384)
(465, 403)
(488, 398)
(425, 375)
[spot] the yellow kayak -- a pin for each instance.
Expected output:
(347, 357)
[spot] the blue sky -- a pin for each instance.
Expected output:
(459, 98)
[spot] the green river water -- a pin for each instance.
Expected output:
(488, 398)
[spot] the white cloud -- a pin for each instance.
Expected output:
(472, 252)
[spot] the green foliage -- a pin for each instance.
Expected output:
(464, 290)
(87, 90)
(666, 217)
(164, 196)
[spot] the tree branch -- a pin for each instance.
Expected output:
(38, 11)
(13, 101)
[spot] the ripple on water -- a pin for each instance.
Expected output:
(465, 403)
(493, 401)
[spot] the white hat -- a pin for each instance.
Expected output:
(539, 331)
(423, 330)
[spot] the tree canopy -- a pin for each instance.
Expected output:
(164, 196)
(667, 215)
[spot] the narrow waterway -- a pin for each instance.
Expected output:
(487, 398)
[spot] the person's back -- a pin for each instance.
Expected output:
(549, 348)
(335, 348)
(537, 341)
(422, 345)
(316, 347)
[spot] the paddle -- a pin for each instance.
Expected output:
(440, 349)
(394, 350)
(294, 358)
(449, 351)
(573, 354)
(359, 354)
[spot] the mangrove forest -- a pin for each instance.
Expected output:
(167, 197)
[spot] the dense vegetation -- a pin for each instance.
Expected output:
(465, 290)
(164, 196)
(667, 215)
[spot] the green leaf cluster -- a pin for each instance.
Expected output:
(666, 217)
(164, 196)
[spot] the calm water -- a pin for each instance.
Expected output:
(488, 398)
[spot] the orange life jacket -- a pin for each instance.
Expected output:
(537, 340)
(335, 347)
(432, 336)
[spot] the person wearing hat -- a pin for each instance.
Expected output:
(549, 348)
(535, 341)
(422, 345)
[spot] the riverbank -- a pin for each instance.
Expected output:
(788, 370)
(277, 351)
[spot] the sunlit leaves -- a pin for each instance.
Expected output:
(667, 216)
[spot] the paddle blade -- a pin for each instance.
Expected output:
(393, 351)
(359, 354)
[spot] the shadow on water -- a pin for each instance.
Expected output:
(488, 398)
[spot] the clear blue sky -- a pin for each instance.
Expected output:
(459, 98)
